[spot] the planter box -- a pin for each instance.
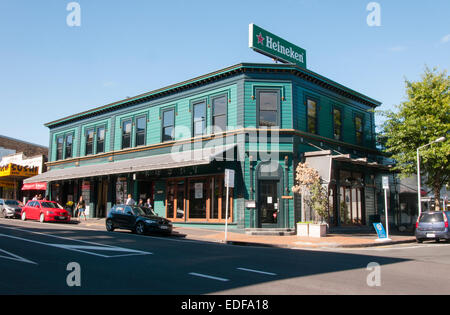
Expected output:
(317, 230)
(303, 229)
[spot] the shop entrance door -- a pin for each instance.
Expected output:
(268, 203)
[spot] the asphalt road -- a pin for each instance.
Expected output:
(46, 258)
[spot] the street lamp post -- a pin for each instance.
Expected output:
(418, 171)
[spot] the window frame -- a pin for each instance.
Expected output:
(341, 136)
(163, 111)
(194, 104)
(213, 114)
(355, 117)
(316, 118)
(258, 92)
(86, 133)
(122, 133)
(144, 132)
(96, 134)
(60, 152)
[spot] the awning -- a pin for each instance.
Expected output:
(322, 161)
(155, 162)
(35, 186)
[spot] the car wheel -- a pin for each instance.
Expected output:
(419, 241)
(42, 218)
(140, 228)
(23, 216)
(3, 213)
(109, 226)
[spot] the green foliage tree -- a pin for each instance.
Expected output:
(421, 119)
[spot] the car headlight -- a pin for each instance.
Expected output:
(150, 221)
(50, 212)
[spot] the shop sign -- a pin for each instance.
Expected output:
(275, 47)
(18, 170)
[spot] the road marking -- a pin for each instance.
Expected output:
(80, 248)
(207, 276)
(16, 257)
(257, 271)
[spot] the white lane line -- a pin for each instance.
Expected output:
(257, 271)
(16, 257)
(208, 277)
(79, 248)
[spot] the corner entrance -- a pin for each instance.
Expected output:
(269, 203)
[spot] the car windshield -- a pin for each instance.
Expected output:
(138, 211)
(148, 211)
(432, 217)
(51, 205)
(11, 203)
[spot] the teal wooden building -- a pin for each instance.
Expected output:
(172, 145)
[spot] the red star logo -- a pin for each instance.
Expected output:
(260, 39)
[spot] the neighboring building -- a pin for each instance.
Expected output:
(19, 160)
(173, 145)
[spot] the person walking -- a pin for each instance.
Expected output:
(81, 207)
(130, 201)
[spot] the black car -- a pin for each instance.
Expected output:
(137, 219)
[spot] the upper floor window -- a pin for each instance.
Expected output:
(126, 134)
(337, 124)
(141, 124)
(199, 125)
(59, 147)
(359, 130)
(268, 104)
(89, 141)
(311, 116)
(168, 125)
(100, 139)
(219, 114)
(69, 146)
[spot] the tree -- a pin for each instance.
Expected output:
(309, 181)
(421, 119)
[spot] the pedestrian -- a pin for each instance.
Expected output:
(148, 204)
(81, 207)
(141, 202)
(35, 197)
(130, 201)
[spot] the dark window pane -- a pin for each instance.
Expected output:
(359, 130)
(126, 134)
(337, 124)
(59, 147)
(140, 131)
(100, 140)
(268, 101)
(199, 118)
(90, 141)
(219, 123)
(267, 118)
(168, 134)
(220, 105)
(168, 118)
(312, 116)
(69, 142)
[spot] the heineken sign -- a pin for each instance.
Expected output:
(275, 47)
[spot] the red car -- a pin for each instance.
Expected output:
(44, 210)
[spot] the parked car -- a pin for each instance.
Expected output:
(10, 208)
(137, 219)
(44, 210)
(433, 225)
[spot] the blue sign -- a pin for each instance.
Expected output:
(380, 230)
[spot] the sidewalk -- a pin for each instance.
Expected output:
(332, 240)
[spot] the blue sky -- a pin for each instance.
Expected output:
(49, 70)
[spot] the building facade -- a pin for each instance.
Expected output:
(173, 145)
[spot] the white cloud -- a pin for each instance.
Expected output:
(445, 39)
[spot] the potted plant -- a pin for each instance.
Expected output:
(303, 228)
(308, 180)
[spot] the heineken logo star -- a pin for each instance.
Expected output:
(260, 39)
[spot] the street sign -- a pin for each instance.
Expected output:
(229, 178)
(380, 230)
(385, 182)
(275, 47)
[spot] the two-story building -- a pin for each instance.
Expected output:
(173, 145)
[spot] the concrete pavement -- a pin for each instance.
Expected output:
(332, 240)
